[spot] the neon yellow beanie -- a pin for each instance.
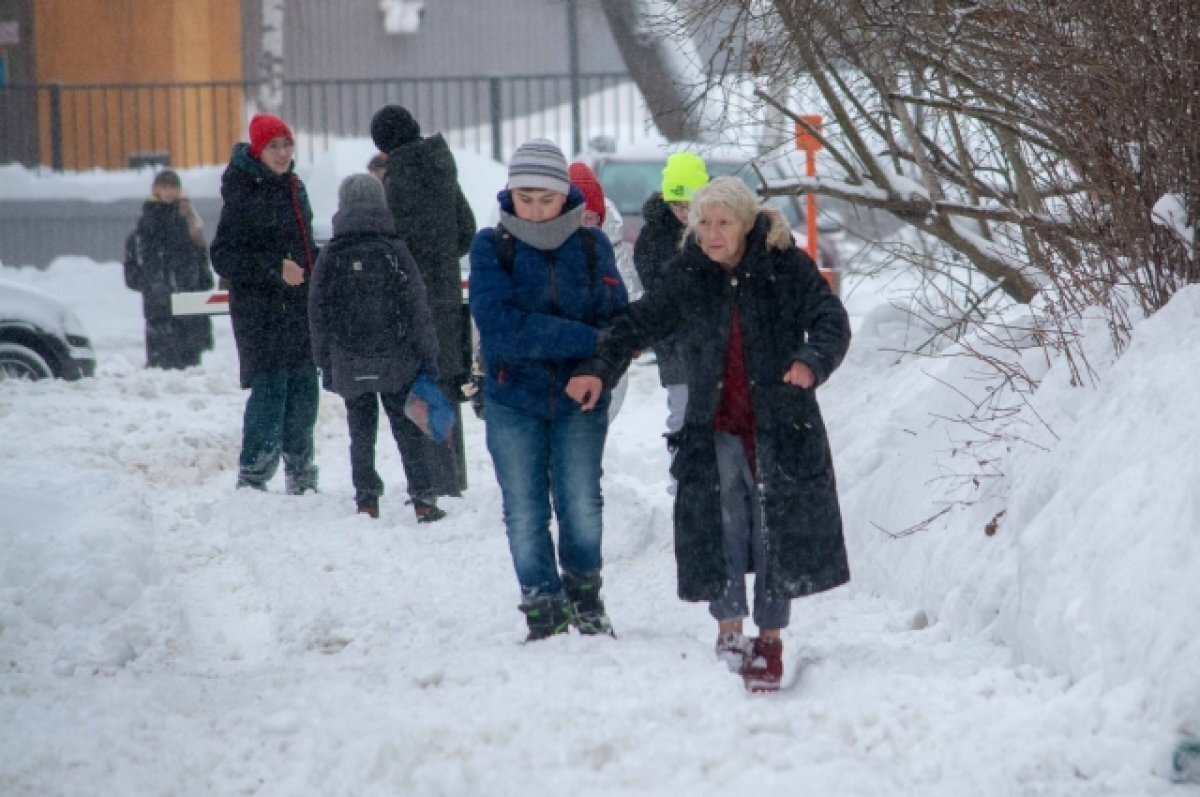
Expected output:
(683, 175)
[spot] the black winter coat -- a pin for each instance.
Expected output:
(788, 314)
(436, 223)
(657, 243)
(161, 259)
(414, 352)
(265, 219)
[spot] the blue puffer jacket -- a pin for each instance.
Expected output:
(537, 323)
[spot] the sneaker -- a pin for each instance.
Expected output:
(735, 650)
(546, 617)
(587, 607)
(427, 511)
(262, 488)
(764, 671)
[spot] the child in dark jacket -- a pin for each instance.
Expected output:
(165, 255)
(538, 312)
(372, 332)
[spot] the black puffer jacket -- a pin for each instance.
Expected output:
(656, 244)
(414, 352)
(436, 223)
(788, 314)
(265, 219)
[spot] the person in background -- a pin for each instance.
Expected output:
(601, 212)
(760, 330)
(542, 285)
(433, 219)
(164, 255)
(377, 166)
(372, 333)
(666, 216)
(264, 249)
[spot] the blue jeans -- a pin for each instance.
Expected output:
(544, 460)
(280, 415)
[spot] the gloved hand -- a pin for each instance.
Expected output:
(473, 390)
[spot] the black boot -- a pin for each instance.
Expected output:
(546, 617)
(587, 608)
(427, 511)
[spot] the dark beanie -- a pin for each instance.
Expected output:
(393, 127)
(168, 178)
(265, 128)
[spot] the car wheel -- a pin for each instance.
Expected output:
(21, 362)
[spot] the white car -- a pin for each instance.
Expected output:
(40, 337)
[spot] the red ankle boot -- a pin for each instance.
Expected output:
(764, 672)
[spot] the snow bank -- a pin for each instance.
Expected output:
(1093, 567)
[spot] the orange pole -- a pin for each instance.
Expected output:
(810, 213)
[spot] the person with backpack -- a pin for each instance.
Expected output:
(542, 285)
(264, 250)
(760, 331)
(435, 221)
(373, 336)
(164, 255)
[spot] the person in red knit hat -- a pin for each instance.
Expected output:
(264, 250)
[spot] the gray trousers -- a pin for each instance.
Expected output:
(741, 524)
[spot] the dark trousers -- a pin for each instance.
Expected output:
(428, 466)
(280, 415)
(443, 463)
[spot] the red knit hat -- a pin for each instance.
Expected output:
(265, 128)
(583, 178)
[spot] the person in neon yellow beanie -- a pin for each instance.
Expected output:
(666, 216)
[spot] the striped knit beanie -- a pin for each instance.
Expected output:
(539, 164)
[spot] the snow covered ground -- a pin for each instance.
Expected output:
(161, 633)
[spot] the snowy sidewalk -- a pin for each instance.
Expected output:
(161, 633)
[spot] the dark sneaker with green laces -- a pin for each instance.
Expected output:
(546, 617)
(587, 607)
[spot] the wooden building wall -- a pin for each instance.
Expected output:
(139, 41)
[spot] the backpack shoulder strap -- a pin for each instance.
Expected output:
(506, 249)
(588, 241)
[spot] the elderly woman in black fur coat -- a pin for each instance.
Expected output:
(760, 330)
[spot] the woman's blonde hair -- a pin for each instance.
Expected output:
(735, 195)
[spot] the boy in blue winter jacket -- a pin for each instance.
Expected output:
(541, 286)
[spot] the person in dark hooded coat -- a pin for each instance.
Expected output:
(264, 249)
(435, 221)
(760, 330)
(371, 346)
(165, 255)
(665, 215)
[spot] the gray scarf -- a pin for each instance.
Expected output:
(544, 235)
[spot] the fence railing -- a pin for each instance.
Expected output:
(110, 126)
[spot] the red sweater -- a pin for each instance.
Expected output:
(735, 412)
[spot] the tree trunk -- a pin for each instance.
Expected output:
(270, 61)
(665, 67)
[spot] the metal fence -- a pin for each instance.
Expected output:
(191, 124)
